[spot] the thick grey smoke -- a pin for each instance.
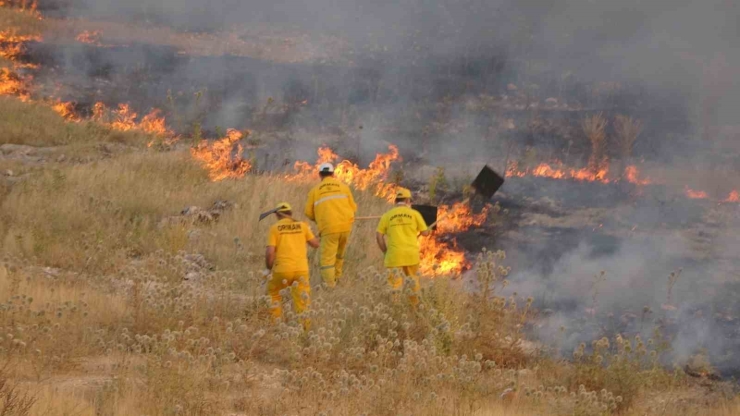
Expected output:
(564, 275)
(418, 73)
(676, 60)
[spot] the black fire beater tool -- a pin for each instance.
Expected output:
(486, 184)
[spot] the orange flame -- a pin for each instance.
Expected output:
(459, 218)
(25, 5)
(12, 47)
(440, 254)
(13, 84)
(693, 194)
(124, 119)
(92, 38)
(632, 175)
(154, 123)
(66, 110)
(219, 158)
(440, 258)
(733, 197)
(11, 50)
(557, 171)
(373, 177)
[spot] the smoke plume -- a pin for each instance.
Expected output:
(457, 82)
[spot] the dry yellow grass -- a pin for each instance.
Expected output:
(106, 213)
(20, 23)
(98, 318)
(160, 346)
(36, 124)
(14, 22)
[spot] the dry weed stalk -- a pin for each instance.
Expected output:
(628, 129)
(13, 400)
(595, 129)
(672, 279)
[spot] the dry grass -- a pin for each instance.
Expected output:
(595, 129)
(105, 214)
(98, 318)
(628, 129)
(160, 345)
(37, 124)
(20, 23)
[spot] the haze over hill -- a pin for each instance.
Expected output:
(123, 194)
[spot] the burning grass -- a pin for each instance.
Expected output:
(557, 170)
(223, 158)
(90, 37)
(66, 110)
(374, 178)
(89, 200)
(12, 84)
(114, 315)
(440, 255)
(36, 124)
(113, 327)
(123, 118)
(22, 23)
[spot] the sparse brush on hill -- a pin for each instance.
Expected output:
(36, 124)
(162, 308)
(161, 345)
(130, 284)
(95, 216)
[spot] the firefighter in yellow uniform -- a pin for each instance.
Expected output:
(401, 227)
(331, 205)
(286, 257)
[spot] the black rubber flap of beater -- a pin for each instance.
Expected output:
(487, 182)
(428, 212)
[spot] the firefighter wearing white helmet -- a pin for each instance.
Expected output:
(331, 205)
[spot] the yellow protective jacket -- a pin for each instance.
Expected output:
(331, 205)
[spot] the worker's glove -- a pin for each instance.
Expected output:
(266, 274)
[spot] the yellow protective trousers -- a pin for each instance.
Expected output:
(332, 249)
(395, 281)
(300, 291)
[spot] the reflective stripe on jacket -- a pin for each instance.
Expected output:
(331, 205)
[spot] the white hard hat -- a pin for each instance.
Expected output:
(326, 167)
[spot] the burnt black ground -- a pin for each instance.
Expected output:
(706, 293)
